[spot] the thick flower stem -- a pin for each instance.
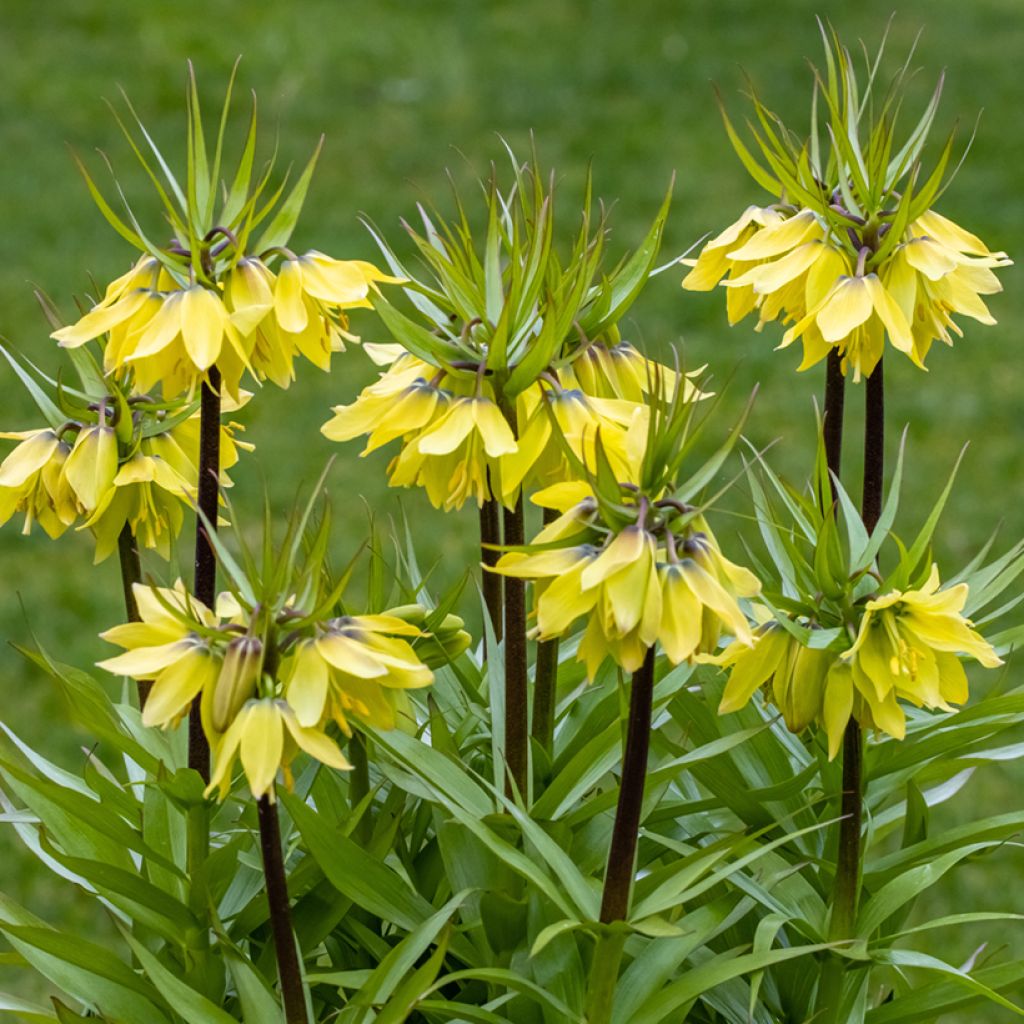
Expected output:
(618, 879)
(205, 559)
(604, 975)
(874, 448)
(545, 684)
(288, 969)
(835, 399)
(848, 861)
(131, 573)
(846, 894)
(490, 538)
(516, 701)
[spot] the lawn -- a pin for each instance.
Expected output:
(404, 91)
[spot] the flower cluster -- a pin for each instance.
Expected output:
(852, 250)
(789, 265)
(171, 330)
(636, 560)
(102, 483)
(269, 680)
(458, 444)
(906, 647)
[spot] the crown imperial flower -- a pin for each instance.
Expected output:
(853, 251)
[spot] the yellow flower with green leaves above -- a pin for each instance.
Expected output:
(662, 579)
(492, 343)
(211, 298)
(908, 648)
(852, 251)
(630, 553)
(835, 639)
(112, 458)
(280, 660)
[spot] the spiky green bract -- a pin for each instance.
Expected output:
(855, 623)
(215, 223)
(515, 305)
(853, 168)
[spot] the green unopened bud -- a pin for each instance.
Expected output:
(414, 614)
(445, 643)
(237, 680)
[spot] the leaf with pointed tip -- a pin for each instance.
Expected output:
(279, 231)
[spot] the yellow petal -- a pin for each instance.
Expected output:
(316, 744)
(450, 431)
(289, 306)
(177, 686)
(203, 321)
(753, 667)
(92, 465)
(679, 630)
(144, 662)
(776, 239)
(493, 428)
(261, 746)
(846, 308)
(28, 458)
(160, 331)
(349, 656)
(890, 314)
(99, 320)
(838, 705)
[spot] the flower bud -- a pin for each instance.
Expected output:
(237, 680)
(414, 614)
(92, 465)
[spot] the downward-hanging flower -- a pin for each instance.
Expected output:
(169, 337)
(170, 645)
(650, 582)
(32, 481)
(354, 667)
(634, 559)
(453, 433)
(266, 737)
(145, 477)
(211, 302)
(805, 683)
(907, 647)
(277, 662)
(853, 252)
(458, 445)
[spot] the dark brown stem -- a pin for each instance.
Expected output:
(835, 400)
(288, 970)
(545, 684)
(847, 889)
(206, 562)
(490, 534)
(516, 721)
(618, 879)
(131, 573)
(848, 860)
(874, 448)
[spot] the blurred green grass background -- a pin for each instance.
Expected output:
(404, 90)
